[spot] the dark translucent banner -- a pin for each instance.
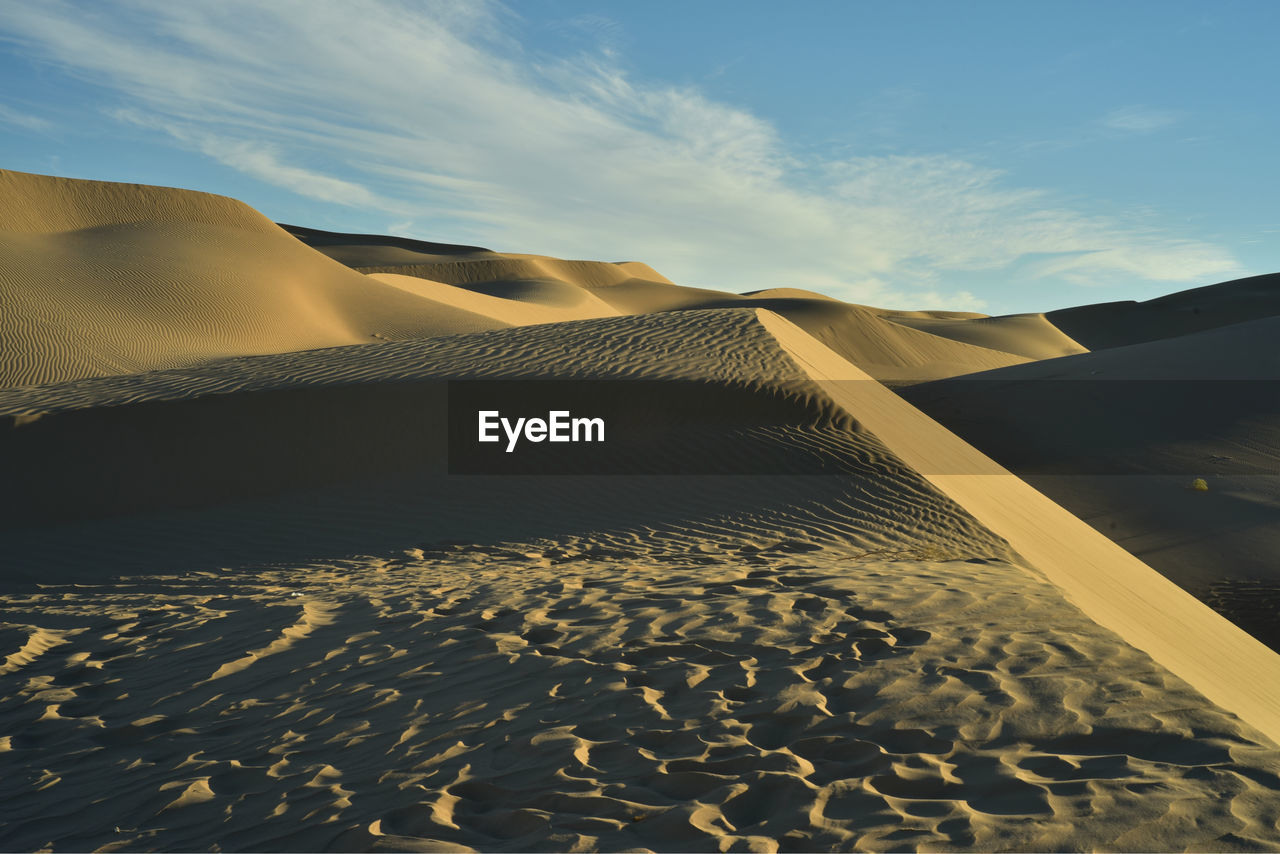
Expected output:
(667, 427)
(1109, 426)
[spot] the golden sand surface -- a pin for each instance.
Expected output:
(245, 604)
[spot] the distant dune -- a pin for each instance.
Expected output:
(1116, 324)
(262, 589)
(101, 279)
(1118, 436)
(888, 344)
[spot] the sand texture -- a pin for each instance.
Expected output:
(1116, 324)
(249, 601)
(602, 694)
(98, 279)
(1118, 436)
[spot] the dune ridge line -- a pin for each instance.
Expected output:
(1108, 584)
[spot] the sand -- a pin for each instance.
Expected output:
(1118, 436)
(176, 278)
(893, 346)
(1116, 324)
(248, 603)
(104, 279)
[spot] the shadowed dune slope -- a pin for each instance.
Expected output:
(103, 279)
(711, 386)
(1118, 435)
(1115, 324)
(895, 347)
(880, 659)
(1115, 589)
(366, 250)
(536, 301)
(100, 278)
(1029, 335)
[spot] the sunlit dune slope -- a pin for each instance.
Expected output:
(918, 650)
(1029, 335)
(1119, 435)
(896, 347)
(99, 278)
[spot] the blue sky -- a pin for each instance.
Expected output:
(993, 156)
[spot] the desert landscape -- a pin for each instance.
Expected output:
(838, 577)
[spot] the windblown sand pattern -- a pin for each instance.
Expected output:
(246, 605)
(1118, 435)
(598, 695)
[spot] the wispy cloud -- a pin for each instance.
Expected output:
(1139, 119)
(18, 118)
(263, 161)
(600, 31)
(433, 110)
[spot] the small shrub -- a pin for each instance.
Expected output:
(1199, 485)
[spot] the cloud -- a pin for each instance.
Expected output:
(10, 116)
(263, 163)
(436, 111)
(1169, 260)
(948, 301)
(1139, 119)
(604, 32)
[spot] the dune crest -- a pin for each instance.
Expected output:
(1116, 324)
(1104, 580)
(99, 279)
(1117, 436)
(262, 589)
(584, 662)
(102, 279)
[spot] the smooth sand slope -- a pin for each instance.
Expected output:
(898, 347)
(1111, 586)
(102, 279)
(1029, 335)
(249, 599)
(99, 279)
(401, 659)
(1115, 324)
(1119, 435)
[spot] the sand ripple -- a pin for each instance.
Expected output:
(595, 695)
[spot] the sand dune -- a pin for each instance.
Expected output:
(369, 250)
(103, 279)
(271, 422)
(1030, 335)
(252, 600)
(893, 346)
(547, 301)
(99, 279)
(1119, 592)
(888, 351)
(1119, 435)
(853, 660)
(1116, 324)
